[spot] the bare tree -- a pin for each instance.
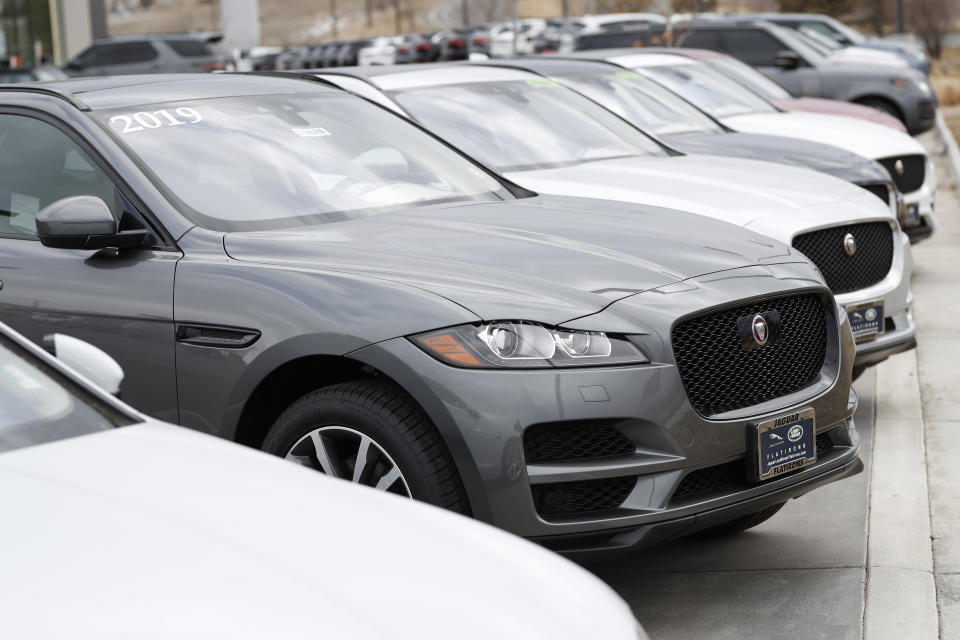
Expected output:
(930, 20)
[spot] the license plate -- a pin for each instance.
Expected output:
(866, 320)
(784, 444)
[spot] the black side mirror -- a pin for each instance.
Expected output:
(787, 60)
(73, 65)
(83, 222)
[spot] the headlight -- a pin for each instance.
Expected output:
(522, 344)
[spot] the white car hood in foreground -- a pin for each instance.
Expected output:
(153, 531)
(868, 139)
(776, 200)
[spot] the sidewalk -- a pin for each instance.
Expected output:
(936, 286)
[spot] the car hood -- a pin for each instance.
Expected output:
(777, 200)
(863, 138)
(798, 153)
(543, 259)
(161, 532)
(840, 108)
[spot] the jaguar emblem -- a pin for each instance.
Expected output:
(849, 244)
(760, 330)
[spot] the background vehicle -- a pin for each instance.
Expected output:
(785, 58)
(765, 87)
(349, 52)
(564, 38)
(504, 40)
(380, 51)
(159, 53)
(10, 74)
(742, 109)
(357, 296)
(848, 36)
(243, 580)
(454, 44)
(550, 139)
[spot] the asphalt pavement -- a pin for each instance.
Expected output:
(874, 556)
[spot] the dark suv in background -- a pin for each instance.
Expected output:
(785, 58)
(161, 53)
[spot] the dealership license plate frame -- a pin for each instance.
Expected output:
(878, 327)
(763, 444)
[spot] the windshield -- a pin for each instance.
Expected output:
(709, 90)
(641, 101)
(749, 77)
(273, 161)
(38, 404)
(822, 43)
(524, 124)
(797, 42)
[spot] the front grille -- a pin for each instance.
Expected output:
(585, 497)
(914, 168)
(869, 265)
(722, 476)
(571, 442)
(879, 190)
(719, 376)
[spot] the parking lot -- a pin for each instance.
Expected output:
(873, 556)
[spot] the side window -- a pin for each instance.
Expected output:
(130, 53)
(701, 40)
(92, 56)
(755, 47)
(39, 164)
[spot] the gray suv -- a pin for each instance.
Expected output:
(163, 53)
(784, 57)
(289, 266)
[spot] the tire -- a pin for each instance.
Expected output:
(740, 524)
(883, 105)
(392, 421)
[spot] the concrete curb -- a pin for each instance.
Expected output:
(953, 150)
(900, 591)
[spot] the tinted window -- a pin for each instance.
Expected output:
(126, 53)
(190, 48)
(273, 161)
(754, 46)
(39, 165)
(706, 39)
(518, 125)
(95, 55)
(38, 404)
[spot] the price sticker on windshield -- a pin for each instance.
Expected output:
(543, 82)
(141, 120)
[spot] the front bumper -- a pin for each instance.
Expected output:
(483, 416)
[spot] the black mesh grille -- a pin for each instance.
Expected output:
(869, 265)
(729, 476)
(718, 375)
(568, 442)
(721, 476)
(879, 190)
(914, 168)
(568, 499)
(824, 444)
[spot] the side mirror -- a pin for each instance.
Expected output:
(787, 60)
(87, 360)
(73, 65)
(83, 222)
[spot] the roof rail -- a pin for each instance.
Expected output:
(66, 96)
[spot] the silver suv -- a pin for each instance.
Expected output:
(166, 53)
